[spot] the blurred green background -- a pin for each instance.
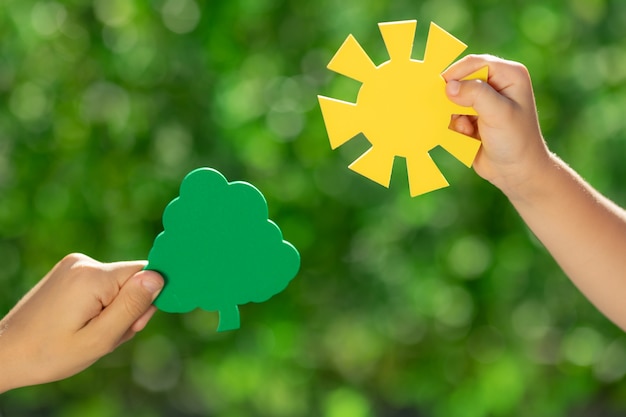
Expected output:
(440, 305)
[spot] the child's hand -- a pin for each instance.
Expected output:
(513, 149)
(582, 229)
(81, 310)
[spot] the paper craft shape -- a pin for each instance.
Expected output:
(219, 249)
(401, 108)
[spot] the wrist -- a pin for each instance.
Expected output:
(13, 373)
(535, 181)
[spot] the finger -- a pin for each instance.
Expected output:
(463, 124)
(123, 271)
(137, 326)
(478, 94)
(508, 78)
(132, 302)
(498, 69)
(468, 65)
(142, 321)
(130, 333)
(117, 274)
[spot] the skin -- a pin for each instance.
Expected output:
(584, 231)
(80, 311)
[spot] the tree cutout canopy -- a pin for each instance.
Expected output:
(219, 249)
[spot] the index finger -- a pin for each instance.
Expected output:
(467, 65)
(508, 78)
(500, 70)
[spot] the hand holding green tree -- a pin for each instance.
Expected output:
(219, 249)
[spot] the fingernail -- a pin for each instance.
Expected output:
(152, 283)
(453, 87)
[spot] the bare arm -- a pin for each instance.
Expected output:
(584, 231)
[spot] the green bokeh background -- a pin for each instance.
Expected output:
(441, 305)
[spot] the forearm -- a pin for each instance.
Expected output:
(584, 232)
(6, 364)
(6, 383)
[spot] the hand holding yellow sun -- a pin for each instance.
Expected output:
(401, 108)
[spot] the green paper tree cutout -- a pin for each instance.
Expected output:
(219, 249)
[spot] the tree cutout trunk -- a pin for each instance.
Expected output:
(229, 319)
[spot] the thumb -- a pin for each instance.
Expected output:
(478, 94)
(132, 302)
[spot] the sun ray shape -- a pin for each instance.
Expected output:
(376, 164)
(398, 38)
(401, 108)
(352, 61)
(342, 120)
(460, 146)
(424, 176)
(441, 48)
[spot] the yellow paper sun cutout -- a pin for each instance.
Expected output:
(401, 108)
